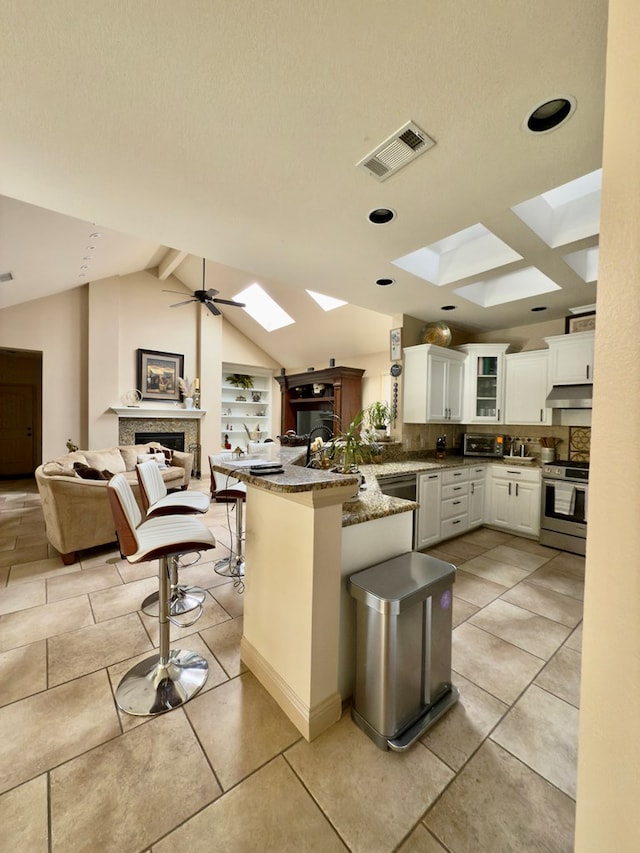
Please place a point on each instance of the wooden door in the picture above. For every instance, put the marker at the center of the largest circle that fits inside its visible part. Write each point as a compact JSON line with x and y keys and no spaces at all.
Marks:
{"x":16,"y":430}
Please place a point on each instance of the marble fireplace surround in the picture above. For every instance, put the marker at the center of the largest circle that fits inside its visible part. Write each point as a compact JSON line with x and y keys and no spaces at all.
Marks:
{"x":132,"y":420}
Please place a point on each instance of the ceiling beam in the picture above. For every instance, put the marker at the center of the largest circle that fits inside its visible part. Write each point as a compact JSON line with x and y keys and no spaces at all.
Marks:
{"x":170,"y":262}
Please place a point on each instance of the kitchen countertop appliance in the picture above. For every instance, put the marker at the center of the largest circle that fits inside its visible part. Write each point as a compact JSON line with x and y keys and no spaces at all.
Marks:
{"x":564,"y":503}
{"x":481,"y":444}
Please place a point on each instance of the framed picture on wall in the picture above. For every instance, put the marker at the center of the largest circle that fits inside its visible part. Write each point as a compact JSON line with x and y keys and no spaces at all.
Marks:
{"x":395,"y":344}
{"x":158,"y":374}
{"x":580,"y":322}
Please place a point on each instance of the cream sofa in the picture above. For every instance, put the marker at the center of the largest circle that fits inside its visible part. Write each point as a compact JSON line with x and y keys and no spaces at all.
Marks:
{"x":77,"y":512}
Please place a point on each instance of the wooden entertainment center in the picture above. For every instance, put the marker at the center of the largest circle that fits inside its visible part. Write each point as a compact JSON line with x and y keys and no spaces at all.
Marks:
{"x":336,"y":389}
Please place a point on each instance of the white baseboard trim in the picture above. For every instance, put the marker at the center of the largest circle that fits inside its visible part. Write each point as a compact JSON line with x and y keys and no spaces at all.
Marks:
{"x":310,"y":722}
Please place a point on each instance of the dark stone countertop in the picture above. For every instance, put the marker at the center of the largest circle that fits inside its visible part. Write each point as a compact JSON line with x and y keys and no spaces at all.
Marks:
{"x":369,"y":504}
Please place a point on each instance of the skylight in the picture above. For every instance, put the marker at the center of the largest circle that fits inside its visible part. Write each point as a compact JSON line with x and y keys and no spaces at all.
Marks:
{"x":263,"y":309}
{"x":584,"y":262}
{"x":509,"y":287}
{"x":468,"y":252}
{"x":327,"y":303}
{"x":566,"y":213}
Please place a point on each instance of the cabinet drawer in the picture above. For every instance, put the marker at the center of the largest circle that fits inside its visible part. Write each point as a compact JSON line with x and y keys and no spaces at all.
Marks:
{"x":455,"y":475}
{"x":477,"y":473}
{"x":454,"y":526}
{"x":455,"y":490}
{"x":516,"y":474}
{"x":455,"y":507}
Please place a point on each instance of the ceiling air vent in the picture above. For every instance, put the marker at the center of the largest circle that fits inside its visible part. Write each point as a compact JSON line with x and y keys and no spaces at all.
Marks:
{"x":5,"y":276}
{"x":396,"y":151}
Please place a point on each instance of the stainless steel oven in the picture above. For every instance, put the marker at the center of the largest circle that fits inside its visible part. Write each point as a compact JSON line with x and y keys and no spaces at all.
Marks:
{"x":563,"y":516}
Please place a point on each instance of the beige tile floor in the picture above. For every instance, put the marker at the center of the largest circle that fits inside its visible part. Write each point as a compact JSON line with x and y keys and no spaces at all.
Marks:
{"x":228,"y":771}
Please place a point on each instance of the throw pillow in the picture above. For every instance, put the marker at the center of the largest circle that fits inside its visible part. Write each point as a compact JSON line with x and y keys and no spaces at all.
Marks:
{"x":53,"y":469}
{"x":111,"y":458}
{"x":88,"y":473}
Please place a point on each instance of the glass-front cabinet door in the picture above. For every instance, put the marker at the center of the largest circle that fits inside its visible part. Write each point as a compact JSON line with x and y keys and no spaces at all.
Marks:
{"x":484,"y":382}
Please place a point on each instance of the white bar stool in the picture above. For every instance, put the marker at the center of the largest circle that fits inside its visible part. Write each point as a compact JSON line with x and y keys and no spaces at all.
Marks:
{"x":171,"y":677}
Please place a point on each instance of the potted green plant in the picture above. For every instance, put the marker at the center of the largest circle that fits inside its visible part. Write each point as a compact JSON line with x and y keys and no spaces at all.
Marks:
{"x":240,"y":380}
{"x":379,"y":417}
{"x":353,"y":446}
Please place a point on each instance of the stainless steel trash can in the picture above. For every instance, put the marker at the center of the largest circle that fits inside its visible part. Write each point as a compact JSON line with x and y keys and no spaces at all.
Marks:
{"x":403,"y":647}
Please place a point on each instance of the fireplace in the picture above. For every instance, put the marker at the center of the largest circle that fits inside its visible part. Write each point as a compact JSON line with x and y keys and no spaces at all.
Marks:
{"x":172,"y":440}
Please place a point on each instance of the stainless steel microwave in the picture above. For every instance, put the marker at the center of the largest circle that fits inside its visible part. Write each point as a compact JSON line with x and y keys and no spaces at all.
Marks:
{"x":477,"y":444}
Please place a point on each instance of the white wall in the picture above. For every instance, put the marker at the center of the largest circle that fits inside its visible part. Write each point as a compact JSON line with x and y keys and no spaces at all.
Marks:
{"x":55,"y":326}
{"x":89,"y":337}
{"x":609,"y":749}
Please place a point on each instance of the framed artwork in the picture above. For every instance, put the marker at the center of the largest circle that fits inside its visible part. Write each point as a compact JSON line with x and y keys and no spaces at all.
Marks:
{"x":580,"y":322}
{"x":395,"y":344}
{"x":158,"y":374}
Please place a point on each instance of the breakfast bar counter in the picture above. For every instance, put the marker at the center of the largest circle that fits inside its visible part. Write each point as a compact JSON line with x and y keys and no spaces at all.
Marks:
{"x":297,"y":631}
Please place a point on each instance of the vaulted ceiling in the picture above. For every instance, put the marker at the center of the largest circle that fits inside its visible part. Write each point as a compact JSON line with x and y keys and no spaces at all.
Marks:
{"x":231,"y":131}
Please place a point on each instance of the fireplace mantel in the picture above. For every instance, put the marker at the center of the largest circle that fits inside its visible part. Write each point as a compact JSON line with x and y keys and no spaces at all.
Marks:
{"x":168,"y":412}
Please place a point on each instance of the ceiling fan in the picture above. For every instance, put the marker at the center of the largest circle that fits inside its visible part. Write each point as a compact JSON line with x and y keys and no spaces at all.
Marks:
{"x":206,"y":297}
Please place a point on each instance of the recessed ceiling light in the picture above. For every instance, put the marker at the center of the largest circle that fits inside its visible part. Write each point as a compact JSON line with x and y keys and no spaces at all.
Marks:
{"x":540,"y":308}
{"x":385,"y":282}
{"x":448,"y":308}
{"x":382,"y":215}
{"x":549,"y":114}
{"x":95,"y":235}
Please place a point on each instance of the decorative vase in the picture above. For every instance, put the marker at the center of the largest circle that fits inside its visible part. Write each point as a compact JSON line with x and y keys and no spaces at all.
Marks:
{"x":188,"y":402}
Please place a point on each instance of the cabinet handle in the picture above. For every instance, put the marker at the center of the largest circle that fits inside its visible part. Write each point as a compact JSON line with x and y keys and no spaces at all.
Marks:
{"x":455,"y":503}
{"x":433,"y":477}
{"x":457,"y":521}
{"x":540,"y":415}
{"x":473,"y":488}
{"x":516,"y":489}
{"x":498,"y":414}
{"x":458,"y":474}
{"x":587,"y":371}
{"x":509,"y":488}
{"x":513,"y":472}
{"x":457,"y":488}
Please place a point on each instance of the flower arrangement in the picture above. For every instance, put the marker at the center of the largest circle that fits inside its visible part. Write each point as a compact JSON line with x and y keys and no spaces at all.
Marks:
{"x":188,"y":388}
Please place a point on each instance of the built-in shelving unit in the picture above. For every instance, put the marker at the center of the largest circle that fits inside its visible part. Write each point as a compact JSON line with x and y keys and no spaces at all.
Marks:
{"x":240,"y":407}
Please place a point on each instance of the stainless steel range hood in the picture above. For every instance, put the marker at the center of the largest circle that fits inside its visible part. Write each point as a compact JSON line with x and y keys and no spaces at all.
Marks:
{"x":570,"y":397}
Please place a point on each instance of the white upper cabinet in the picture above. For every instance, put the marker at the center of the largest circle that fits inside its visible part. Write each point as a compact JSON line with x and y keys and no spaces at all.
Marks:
{"x":484,"y":383}
{"x":571,"y":358}
{"x":433,"y":384}
{"x":526,"y":388}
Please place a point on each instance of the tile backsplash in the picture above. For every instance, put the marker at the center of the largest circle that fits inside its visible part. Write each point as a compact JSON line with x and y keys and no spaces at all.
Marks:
{"x":571,"y":442}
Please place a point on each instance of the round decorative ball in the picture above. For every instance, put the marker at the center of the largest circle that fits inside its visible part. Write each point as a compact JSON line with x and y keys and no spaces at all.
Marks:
{"x":437,"y":333}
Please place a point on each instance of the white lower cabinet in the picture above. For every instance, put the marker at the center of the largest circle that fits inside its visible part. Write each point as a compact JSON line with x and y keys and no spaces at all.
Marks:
{"x":454,"y":512}
{"x":477,"y":490}
{"x":514,"y":499}
{"x":428,"y":515}
{"x":451,"y":501}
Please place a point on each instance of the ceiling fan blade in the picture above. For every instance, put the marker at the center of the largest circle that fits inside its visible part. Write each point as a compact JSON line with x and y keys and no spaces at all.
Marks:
{"x":186,"y":302}
{"x":230,"y":302}
{"x":213,"y":308}
{"x":211,"y":293}
{"x":179,"y":292}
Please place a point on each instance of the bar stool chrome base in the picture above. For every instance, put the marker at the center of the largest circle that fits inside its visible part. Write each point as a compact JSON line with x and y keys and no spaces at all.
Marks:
{"x":152,"y":687}
{"x":230,"y":567}
{"x":233,"y":566}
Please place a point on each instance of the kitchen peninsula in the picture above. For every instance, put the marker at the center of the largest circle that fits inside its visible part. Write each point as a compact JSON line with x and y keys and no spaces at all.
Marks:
{"x":301,"y":541}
